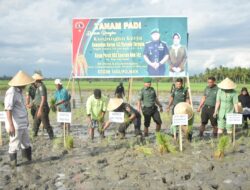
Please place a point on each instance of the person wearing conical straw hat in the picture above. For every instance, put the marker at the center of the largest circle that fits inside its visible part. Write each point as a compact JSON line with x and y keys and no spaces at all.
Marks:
{"x":131,"y":115}
{"x":185,"y":108}
{"x":244,"y":100}
{"x":42,"y":107}
{"x":17,"y":117}
{"x":226,"y":102}
{"x":146,"y":104}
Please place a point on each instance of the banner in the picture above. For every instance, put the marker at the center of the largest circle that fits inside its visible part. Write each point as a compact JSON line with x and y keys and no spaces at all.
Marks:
{"x":129,"y":47}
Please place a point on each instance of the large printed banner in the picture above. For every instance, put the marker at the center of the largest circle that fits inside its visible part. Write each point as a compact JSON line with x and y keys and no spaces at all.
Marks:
{"x":130,"y":47}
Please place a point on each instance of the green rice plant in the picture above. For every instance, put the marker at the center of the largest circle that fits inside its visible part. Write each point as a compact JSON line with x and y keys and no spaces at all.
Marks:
{"x":164,"y":143}
{"x":222,"y":146}
{"x":53,"y":105}
{"x":58,"y":143}
{"x":147,"y":151}
{"x":69,"y":142}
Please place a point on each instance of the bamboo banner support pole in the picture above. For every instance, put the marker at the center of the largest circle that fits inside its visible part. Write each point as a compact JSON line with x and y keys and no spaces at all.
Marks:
{"x":234,"y":136}
{"x":157,"y":87}
{"x":1,"y":140}
{"x":79,"y":88}
{"x":130,"y":89}
{"x":73,"y":93}
{"x":64,"y":134}
{"x":180,"y":137}
{"x":189,"y":91}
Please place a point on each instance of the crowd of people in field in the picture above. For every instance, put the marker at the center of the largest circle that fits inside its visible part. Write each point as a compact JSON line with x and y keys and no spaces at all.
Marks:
{"x":217,"y":101}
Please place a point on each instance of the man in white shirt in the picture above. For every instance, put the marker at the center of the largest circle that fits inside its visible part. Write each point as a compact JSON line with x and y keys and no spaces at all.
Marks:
{"x":17,"y":117}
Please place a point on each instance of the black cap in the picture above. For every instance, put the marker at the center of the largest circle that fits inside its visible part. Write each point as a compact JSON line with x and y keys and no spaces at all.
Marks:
{"x":97,"y":93}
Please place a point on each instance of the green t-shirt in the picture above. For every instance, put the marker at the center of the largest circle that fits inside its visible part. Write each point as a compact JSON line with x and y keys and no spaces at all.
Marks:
{"x":210,"y":94}
{"x":40,"y":91}
{"x":147,"y":96}
{"x":180,"y":95}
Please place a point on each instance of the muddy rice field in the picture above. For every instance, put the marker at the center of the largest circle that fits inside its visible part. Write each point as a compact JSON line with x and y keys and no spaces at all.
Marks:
{"x":113,"y":163}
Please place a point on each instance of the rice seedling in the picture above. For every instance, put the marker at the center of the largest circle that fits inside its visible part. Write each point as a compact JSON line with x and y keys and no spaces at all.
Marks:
{"x":58,"y":143}
{"x":53,"y":105}
{"x":164,"y":143}
{"x":69,"y":142}
{"x":222,"y":146}
{"x":147,"y":151}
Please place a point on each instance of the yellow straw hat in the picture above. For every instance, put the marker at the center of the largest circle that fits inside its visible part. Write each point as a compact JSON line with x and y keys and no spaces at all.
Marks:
{"x":184,"y":108}
{"x":114,"y":103}
{"x":21,"y":79}
{"x":37,"y":76}
{"x":227,"y":84}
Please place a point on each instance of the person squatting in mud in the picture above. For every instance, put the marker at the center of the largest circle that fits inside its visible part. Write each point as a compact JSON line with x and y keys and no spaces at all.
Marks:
{"x":131,"y":115}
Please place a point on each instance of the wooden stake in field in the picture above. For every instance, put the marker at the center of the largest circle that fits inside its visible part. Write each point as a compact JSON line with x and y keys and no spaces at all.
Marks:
{"x":79,"y":88}
{"x":130,"y":89}
{"x":234,"y":135}
{"x":180,"y":138}
{"x":64,"y":134}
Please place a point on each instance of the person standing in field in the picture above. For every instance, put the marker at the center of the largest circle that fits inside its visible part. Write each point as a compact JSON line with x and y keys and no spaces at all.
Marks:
{"x":179,"y":94}
{"x":119,"y":91}
{"x":146,"y":104}
{"x":244,"y":99}
{"x":226,"y":102}
{"x":17,"y":117}
{"x":96,"y":107}
{"x":42,"y":107}
{"x":207,"y":105}
{"x":62,"y":99}
{"x":30,"y":96}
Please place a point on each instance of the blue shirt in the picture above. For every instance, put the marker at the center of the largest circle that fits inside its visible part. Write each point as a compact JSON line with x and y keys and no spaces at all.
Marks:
{"x":63,"y":95}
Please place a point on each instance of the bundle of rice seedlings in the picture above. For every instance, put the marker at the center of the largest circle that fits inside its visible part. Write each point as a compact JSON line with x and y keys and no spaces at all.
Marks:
{"x":53,"y":105}
{"x":222,"y":146}
{"x":164,"y":143}
{"x":147,"y":151}
{"x":69,"y":142}
{"x":58,"y":143}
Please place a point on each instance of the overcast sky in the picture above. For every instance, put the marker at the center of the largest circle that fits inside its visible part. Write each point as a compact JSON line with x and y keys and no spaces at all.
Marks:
{"x":37,"y":34}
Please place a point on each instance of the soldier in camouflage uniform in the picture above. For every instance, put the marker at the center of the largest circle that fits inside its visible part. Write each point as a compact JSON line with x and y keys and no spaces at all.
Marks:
{"x":42,"y":107}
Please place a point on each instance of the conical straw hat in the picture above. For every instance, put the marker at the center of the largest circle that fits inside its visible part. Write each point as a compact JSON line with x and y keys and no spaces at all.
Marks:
{"x":240,"y":109}
{"x":227,"y":84}
{"x":184,"y":108}
{"x":114,"y":103}
{"x":37,"y":76}
{"x":21,"y":79}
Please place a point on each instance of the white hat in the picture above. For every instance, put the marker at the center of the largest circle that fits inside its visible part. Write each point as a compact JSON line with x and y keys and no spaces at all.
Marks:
{"x":58,"y":81}
{"x":37,"y":76}
{"x":21,"y":79}
{"x":114,"y":103}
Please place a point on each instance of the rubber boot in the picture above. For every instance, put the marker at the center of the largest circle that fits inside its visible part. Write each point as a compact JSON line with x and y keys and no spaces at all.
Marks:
{"x":158,"y":128}
{"x":13,"y":160}
{"x":145,"y":132}
{"x":27,"y":154}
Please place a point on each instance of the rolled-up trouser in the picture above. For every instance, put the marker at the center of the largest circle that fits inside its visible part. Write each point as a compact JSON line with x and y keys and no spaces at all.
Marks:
{"x":45,"y":121}
{"x":21,"y":139}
